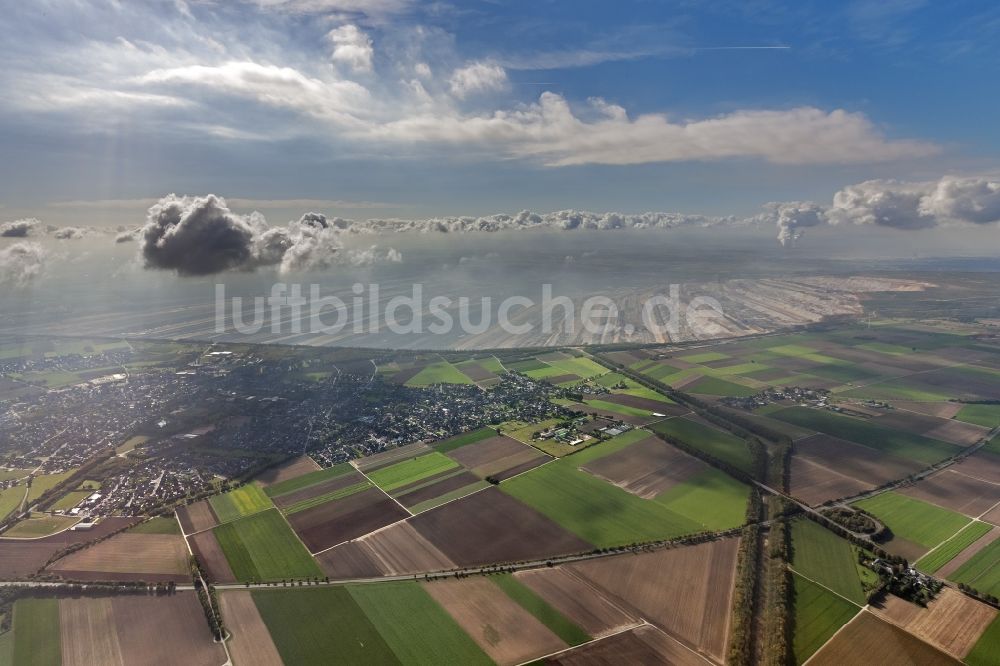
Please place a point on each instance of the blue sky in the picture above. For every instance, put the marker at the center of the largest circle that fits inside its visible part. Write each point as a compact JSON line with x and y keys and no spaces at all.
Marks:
{"x":409,"y":109}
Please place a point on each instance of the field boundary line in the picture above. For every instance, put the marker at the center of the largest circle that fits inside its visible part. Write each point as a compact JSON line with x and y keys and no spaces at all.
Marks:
{"x":234,"y":520}
{"x":799,"y":573}
{"x":993,"y":483}
{"x":368,"y":478}
{"x":980,"y":516}
{"x":960,"y":530}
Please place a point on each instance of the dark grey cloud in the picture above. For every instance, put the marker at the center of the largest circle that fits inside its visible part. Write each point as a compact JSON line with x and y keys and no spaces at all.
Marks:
{"x":18,"y":228}
{"x":21,"y":263}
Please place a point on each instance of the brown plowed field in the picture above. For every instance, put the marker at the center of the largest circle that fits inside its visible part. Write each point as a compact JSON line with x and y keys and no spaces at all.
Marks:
{"x":624,"y":357}
{"x":956,"y":491}
{"x":646,"y":468}
{"x":868,"y":640}
{"x":980,"y":465}
{"x":20,"y":557}
{"x":519,"y":469}
{"x":87,"y":633}
{"x":349,"y":560}
{"x":685,"y":591}
{"x":209,"y":553}
{"x":645,"y":403}
{"x":400,"y":549}
{"x":289,"y":470}
{"x":437,"y":489}
{"x":490,"y":526}
{"x":428,"y":480}
{"x":503,"y":629}
{"x":489,"y":451}
{"x":645,"y":646}
{"x":134,"y":554}
{"x":166,"y":631}
{"x":386,"y":458}
{"x":476,"y":372}
{"x":577,"y":600}
{"x":946,"y":430}
{"x":197,"y":517}
{"x":992,"y":516}
{"x":405,"y":375}
{"x":814,"y":484}
{"x":854,"y":460}
{"x":967,"y":554}
{"x":251,"y":642}
{"x":951,"y":622}
{"x":955,"y":383}
{"x":562,"y":379}
{"x":337,"y":483}
{"x":328,"y":524}
{"x":944,"y":410}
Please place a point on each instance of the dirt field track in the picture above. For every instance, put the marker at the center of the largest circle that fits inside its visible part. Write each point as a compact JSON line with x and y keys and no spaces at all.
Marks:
{"x":400,"y":549}
{"x":502,"y":628}
{"x":329,"y":524}
{"x":211,"y":557}
{"x":814,"y":484}
{"x":980,"y":465}
{"x":495,"y":455}
{"x":853,"y":460}
{"x":947,"y":430}
{"x":952,"y":622}
{"x":969,"y":553}
{"x":197,"y":517}
{"x":251,"y":642}
{"x":685,"y":591}
{"x":19,"y":557}
{"x":869,"y":640}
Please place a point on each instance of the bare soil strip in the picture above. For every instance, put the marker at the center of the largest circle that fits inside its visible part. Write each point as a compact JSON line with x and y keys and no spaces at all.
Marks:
{"x":251,"y":642}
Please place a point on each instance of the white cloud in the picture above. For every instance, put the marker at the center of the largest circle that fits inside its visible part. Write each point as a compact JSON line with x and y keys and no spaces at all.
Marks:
{"x":21,"y":263}
{"x":477,"y":77}
{"x":367,"y":7}
{"x":352,"y":47}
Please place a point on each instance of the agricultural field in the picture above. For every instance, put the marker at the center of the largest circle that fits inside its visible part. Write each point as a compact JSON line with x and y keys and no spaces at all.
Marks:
{"x":903,"y":445}
{"x":982,"y":571}
{"x":409,"y":471}
{"x":244,"y":501}
{"x":577,"y":601}
{"x":823,"y":557}
{"x":955,"y":491}
{"x":196,"y":517}
{"x":249,"y":641}
{"x":818,"y":615}
{"x":349,"y":517}
{"x":916,"y":525}
{"x":715,"y":442}
{"x":986,"y":649}
{"x":948,"y":550}
{"x":35,"y":622}
{"x":10,"y":500}
{"x":290,"y":469}
{"x":951,"y":622}
{"x":40,"y":525}
{"x":262,"y":547}
{"x":21,"y":557}
{"x":498,"y":457}
{"x":573,"y":368}
{"x":869,"y":640}
{"x":642,"y":645}
{"x":438,"y":373}
{"x":391,"y":623}
{"x":559,"y":624}
{"x":606,"y":515}
{"x":684,"y":591}
{"x":128,"y":556}
{"x":70,"y":500}
{"x":43,"y":482}
{"x":466,"y":438}
{"x":987,"y":416}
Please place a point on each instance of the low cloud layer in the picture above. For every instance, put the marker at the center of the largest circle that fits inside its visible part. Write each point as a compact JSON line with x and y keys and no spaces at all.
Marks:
{"x":18,"y":228}
{"x":69,"y":233}
{"x":950,"y":201}
{"x":196,"y":236}
{"x":21,"y":263}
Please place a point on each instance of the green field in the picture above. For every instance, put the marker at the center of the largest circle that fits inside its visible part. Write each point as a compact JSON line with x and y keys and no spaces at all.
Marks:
{"x":263,"y":547}
{"x":328,"y":497}
{"x":818,"y":615}
{"x":982,"y":572}
{"x":560,"y":625}
{"x":581,"y":366}
{"x":438,"y":373}
{"x":624,"y":410}
{"x":913,"y":519}
{"x":10,"y":500}
{"x":717,"y":443}
{"x":985,"y":652}
{"x":6,"y":648}
{"x":390,"y":623}
{"x":950,"y":549}
{"x":716,"y":386}
{"x":44,"y":482}
{"x":614,"y":379}
{"x":821,"y":555}
{"x":306,"y":480}
{"x":39,"y":525}
{"x":71,"y":499}
{"x":414,"y":626}
{"x":406,"y":472}
{"x":458,"y":441}
{"x":605,"y":515}
{"x":897,"y":389}
{"x":244,"y":501}
{"x":898,"y":443}
{"x":649,"y":394}
{"x":526,"y":365}
{"x":36,"y":632}
{"x":158,"y":525}
{"x":9,"y":474}
{"x":987,"y":416}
